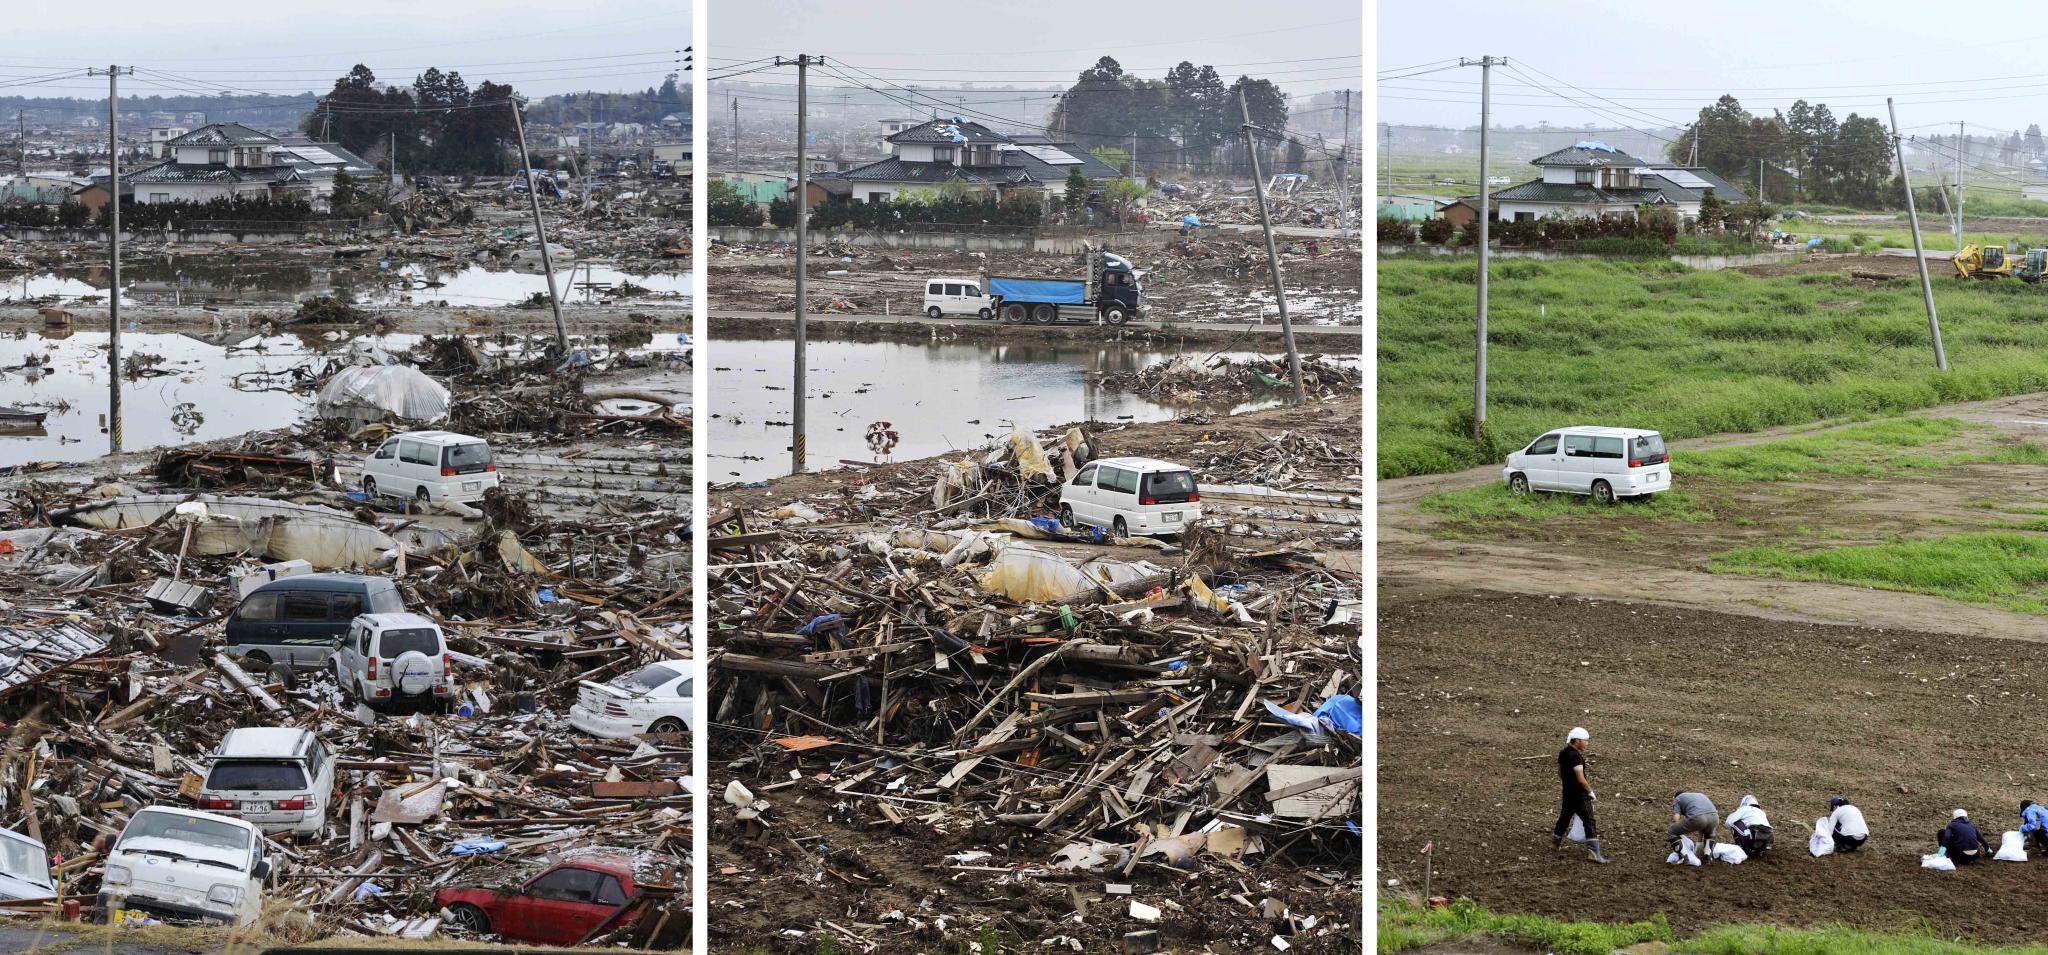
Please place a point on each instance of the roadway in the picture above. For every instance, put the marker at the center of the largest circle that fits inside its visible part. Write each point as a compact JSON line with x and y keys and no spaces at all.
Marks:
{"x":1273,"y":328}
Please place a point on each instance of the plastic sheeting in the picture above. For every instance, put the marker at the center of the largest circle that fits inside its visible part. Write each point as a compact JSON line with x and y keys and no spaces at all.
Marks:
{"x":370,"y":393}
{"x":1822,"y":842}
{"x":2012,"y":847}
{"x":1031,"y":460}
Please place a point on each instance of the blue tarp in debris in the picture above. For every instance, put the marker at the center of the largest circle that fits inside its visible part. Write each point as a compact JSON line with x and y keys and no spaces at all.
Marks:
{"x":1051,"y":291}
{"x":1343,"y":713}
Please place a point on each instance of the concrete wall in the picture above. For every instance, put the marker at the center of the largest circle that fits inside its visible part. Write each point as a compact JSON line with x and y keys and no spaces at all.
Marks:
{"x":953,"y":241}
{"x":1705,"y":263}
{"x":174,"y":238}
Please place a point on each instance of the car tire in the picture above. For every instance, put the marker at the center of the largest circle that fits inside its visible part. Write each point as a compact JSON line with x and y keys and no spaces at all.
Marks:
{"x":985,"y":315}
{"x":259,"y":659}
{"x":1518,"y":485}
{"x":420,"y":497}
{"x":470,"y":918}
{"x":1121,"y":529}
{"x":1067,"y":515}
{"x":933,"y":313}
{"x":1115,"y":315}
{"x":370,"y":488}
{"x":1044,"y":314}
{"x":1603,"y":492}
{"x":666,"y":725}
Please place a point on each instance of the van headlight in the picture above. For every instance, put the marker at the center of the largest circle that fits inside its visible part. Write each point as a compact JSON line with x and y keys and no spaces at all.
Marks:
{"x":224,"y":894}
{"x":115,"y":875}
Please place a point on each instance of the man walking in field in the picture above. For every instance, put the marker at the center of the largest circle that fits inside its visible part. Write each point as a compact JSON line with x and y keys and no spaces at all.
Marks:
{"x":1576,"y":798}
{"x":1693,"y":812}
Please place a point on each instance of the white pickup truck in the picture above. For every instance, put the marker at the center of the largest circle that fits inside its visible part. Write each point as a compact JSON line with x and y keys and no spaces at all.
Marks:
{"x":177,"y":865}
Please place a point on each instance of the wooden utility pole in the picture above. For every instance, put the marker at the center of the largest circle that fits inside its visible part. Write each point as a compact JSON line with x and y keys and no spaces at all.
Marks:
{"x":1251,"y":151}
{"x":1919,"y":254}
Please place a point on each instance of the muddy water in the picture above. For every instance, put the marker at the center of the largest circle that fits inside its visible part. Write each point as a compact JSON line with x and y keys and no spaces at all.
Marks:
{"x":371,"y":283}
{"x":938,"y":398}
{"x":209,"y":391}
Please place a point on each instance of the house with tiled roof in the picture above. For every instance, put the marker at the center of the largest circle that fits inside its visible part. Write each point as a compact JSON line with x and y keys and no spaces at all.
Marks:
{"x":1593,"y":179}
{"x":222,"y":160}
{"x":939,"y":151}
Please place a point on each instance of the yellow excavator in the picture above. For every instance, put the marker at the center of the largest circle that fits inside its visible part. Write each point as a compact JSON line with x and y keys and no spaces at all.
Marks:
{"x":1992,"y":261}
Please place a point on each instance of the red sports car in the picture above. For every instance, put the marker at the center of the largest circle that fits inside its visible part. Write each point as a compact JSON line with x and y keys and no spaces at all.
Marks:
{"x":557,"y":907}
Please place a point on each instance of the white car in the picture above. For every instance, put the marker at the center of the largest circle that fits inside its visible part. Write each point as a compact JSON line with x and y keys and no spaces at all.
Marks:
{"x":280,"y":778}
{"x":1132,"y":496}
{"x":177,"y":865}
{"x":1607,"y":463}
{"x":431,"y":466}
{"x":657,"y":698}
{"x":946,"y":296}
{"x":391,"y":658}
{"x":24,"y":868}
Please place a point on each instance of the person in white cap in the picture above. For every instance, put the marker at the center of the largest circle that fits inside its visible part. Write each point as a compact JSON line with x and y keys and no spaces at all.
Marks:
{"x":1750,"y":827}
{"x":1576,"y":797}
{"x":1961,"y":841}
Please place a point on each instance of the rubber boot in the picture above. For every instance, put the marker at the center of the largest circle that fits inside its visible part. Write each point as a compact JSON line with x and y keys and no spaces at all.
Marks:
{"x":1556,"y":843}
{"x":1593,"y":849}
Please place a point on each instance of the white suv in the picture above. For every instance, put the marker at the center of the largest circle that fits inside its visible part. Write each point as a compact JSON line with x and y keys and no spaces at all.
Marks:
{"x":431,"y":466}
{"x":1132,"y":496}
{"x":1608,"y":463}
{"x":391,"y":658}
{"x":280,"y":778}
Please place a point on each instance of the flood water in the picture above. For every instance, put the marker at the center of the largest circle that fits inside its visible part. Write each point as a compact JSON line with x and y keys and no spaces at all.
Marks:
{"x":210,"y":391}
{"x":370,"y":282}
{"x":937,"y":397}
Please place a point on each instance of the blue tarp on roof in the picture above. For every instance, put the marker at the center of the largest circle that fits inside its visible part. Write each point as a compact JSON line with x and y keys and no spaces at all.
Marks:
{"x":1594,"y":144}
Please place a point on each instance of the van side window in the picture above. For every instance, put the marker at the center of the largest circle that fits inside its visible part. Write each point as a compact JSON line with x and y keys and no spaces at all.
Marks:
{"x":952,"y":289}
{"x":1544,"y":445}
{"x":935,"y":289}
{"x":386,"y":600}
{"x":301,"y":607}
{"x":1578,"y":445}
{"x":1087,"y":476}
{"x":1607,"y":448}
{"x":262,"y":606}
{"x":347,"y":606}
{"x":973,"y":291}
{"x":413,"y":452}
{"x":389,"y":450}
{"x":1120,"y":480}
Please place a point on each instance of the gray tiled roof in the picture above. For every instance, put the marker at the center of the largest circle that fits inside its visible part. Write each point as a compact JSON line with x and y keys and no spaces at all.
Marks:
{"x":928,"y":132}
{"x":1536,"y":190}
{"x":897,"y":170}
{"x":1581,"y":156}
{"x":175,"y":172}
{"x":229,"y":134}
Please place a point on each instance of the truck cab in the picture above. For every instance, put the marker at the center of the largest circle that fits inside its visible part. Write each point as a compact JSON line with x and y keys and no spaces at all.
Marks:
{"x":1120,"y":290}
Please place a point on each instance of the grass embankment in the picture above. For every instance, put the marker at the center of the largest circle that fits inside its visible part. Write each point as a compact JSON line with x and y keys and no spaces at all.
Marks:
{"x":1655,"y":345}
{"x":1405,"y":927}
{"x":2005,"y":570}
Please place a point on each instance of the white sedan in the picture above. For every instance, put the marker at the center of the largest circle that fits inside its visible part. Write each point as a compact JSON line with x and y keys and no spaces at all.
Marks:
{"x":657,"y":698}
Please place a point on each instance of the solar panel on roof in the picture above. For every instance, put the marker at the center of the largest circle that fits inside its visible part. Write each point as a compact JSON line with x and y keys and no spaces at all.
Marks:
{"x":1681,"y":177}
{"x":314,"y":154}
{"x":1049,"y":155}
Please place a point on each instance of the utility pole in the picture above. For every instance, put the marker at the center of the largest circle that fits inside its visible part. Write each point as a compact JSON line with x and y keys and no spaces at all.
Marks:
{"x":1693,"y":157}
{"x":1344,"y":170}
{"x":1486,"y":64}
{"x":589,"y":130}
{"x":803,"y":64}
{"x":1759,"y":180}
{"x":735,"y":137}
{"x":113,"y":253}
{"x":1961,"y":136}
{"x":1387,"y":160}
{"x":1919,"y":254}
{"x":540,"y":229}
{"x":1251,"y":151}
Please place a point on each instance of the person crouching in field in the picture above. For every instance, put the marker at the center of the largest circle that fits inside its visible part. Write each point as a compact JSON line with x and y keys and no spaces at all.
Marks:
{"x":1576,"y":797}
{"x":2034,"y":823}
{"x":1749,"y":828}
{"x":1961,"y":841}
{"x":1847,"y":822}
{"x":1692,"y":812}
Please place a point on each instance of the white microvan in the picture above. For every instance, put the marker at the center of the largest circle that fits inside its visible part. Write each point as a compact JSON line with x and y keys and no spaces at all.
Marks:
{"x":1132,"y":496}
{"x":944,"y":296}
{"x":176,"y":865}
{"x":431,"y":466}
{"x":1608,"y":463}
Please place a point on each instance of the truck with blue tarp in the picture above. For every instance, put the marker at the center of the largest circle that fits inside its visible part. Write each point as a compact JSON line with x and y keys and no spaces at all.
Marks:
{"x":1113,"y":293}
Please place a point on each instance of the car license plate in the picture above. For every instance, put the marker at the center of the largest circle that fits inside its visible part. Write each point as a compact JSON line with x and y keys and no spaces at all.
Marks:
{"x":255,"y":807}
{"x":472,"y":485}
{"x":1173,"y":517}
{"x":130,"y":915}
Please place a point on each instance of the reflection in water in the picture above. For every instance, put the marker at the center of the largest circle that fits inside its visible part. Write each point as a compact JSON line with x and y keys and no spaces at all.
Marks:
{"x":935,"y":397}
{"x":189,"y":280}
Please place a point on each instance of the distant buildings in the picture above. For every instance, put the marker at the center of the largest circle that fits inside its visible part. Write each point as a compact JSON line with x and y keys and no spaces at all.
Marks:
{"x":932,"y":153}
{"x":224,"y":160}
{"x":1593,"y":179}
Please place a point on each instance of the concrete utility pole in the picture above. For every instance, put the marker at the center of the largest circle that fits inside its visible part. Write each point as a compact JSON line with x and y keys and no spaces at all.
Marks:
{"x":1251,"y":151}
{"x":1919,"y":254}
{"x":1960,"y":137}
{"x":1486,"y":65}
{"x":803,"y":64}
{"x":540,"y":229}
{"x":1759,"y":180}
{"x":113,"y":253}
{"x":735,"y":137}
{"x":1693,"y":157}
{"x":391,"y":181}
{"x":1344,"y":170}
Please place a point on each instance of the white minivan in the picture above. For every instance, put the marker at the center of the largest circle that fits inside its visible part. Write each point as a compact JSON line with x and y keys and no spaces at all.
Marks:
{"x":1132,"y":496}
{"x":944,"y":296}
{"x":431,"y":466}
{"x":1608,"y":463}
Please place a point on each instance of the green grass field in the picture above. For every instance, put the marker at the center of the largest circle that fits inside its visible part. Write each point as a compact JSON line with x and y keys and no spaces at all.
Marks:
{"x":2007,"y":571}
{"x":1652,"y":344}
{"x":1406,"y":927}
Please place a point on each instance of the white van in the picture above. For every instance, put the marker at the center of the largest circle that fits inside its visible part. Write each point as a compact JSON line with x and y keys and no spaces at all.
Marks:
{"x":944,"y":296}
{"x":280,"y":778}
{"x":177,"y":865}
{"x":1132,"y":496}
{"x":1607,"y":463}
{"x":391,"y":658}
{"x":431,"y":466}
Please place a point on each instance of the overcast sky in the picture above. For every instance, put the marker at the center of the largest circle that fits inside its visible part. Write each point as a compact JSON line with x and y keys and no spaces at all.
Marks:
{"x":1663,"y":61}
{"x":540,"y":48}
{"x":932,"y":42}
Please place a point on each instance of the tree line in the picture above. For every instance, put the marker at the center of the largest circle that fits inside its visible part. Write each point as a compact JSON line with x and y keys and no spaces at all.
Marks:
{"x":1190,"y":105}
{"x":1804,"y":154}
{"x":438,"y":125}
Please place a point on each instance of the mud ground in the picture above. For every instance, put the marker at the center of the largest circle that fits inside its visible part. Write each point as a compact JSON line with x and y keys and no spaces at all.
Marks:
{"x":1477,"y":690}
